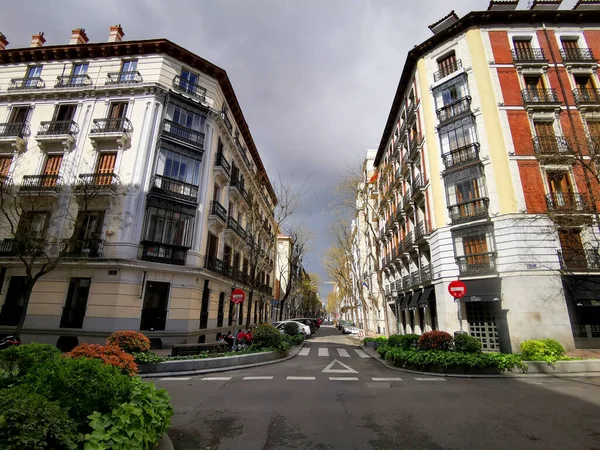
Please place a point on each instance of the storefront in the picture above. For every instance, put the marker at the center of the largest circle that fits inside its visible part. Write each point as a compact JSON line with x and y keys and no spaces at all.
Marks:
{"x":582,"y":294}
{"x":482,"y":305}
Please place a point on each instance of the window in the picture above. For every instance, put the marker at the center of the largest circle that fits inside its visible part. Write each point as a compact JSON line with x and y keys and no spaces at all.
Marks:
{"x":474,"y":250}
{"x":19,"y":114}
{"x":523,"y":48}
{"x":87,"y":237}
{"x":227,"y":255}
{"x":76,"y":304}
{"x":569,"y":43}
{"x":447,"y":64}
{"x":458,"y":134}
{"x":573,"y":253}
{"x":164,"y":225}
{"x":465,"y":186}
{"x":593,"y":128}
{"x":534,"y":84}
{"x":188,"y":81}
{"x":178,"y":167}
{"x":13,"y":303}
{"x":79,"y":69}
{"x":185,"y":118}
{"x":32,"y":75}
{"x":560,"y":189}
{"x":64,"y":113}
{"x":128,"y":71}
{"x":105,"y":168}
{"x":78,"y":74}
{"x":32,"y":225}
{"x":117,"y":110}
{"x":52,"y":170}
{"x":5,"y":162}
{"x":221,"y":310}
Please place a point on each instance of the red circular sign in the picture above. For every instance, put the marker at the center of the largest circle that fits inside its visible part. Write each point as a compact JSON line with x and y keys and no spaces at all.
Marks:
{"x":237,"y":296}
{"x":457,"y":289}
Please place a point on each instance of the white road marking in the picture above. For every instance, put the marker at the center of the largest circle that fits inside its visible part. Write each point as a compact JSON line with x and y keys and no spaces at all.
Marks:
{"x":330,"y":369}
{"x":304,"y":352}
{"x":343,"y":353}
{"x":430,"y":379}
{"x":216,"y":379}
{"x":324,"y":351}
{"x":386,"y":379}
{"x":301,"y":378}
{"x":257,"y":378}
{"x":176,"y":379}
{"x":361,"y":353}
{"x":343,"y":378}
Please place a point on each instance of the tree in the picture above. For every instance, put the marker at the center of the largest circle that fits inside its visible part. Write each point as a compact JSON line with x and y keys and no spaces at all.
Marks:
{"x":45,"y":222}
{"x":334,"y":303}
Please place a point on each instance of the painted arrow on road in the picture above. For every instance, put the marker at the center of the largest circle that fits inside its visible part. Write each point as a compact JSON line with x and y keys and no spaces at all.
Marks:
{"x":330,"y":369}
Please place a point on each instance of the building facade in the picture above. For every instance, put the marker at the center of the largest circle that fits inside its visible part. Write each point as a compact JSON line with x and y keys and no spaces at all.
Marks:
{"x":145,"y":146}
{"x":486,"y":172}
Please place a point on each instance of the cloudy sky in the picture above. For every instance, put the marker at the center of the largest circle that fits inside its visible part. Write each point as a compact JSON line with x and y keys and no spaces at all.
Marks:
{"x":315,"y":78}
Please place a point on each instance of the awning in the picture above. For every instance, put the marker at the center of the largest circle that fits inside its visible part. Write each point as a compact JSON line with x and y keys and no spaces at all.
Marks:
{"x":414,"y":300}
{"x":583,"y":291}
{"x":484,"y":290}
{"x":425,"y":297}
{"x":404,"y":301}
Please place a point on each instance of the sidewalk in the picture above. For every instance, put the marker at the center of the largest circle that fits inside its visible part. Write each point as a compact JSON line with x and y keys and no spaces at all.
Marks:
{"x":588,"y":353}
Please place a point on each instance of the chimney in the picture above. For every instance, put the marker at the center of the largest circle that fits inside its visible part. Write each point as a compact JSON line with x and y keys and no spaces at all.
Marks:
{"x":3,"y":42}
{"x":503,"y":5}
{"x":37,"y":40}
{"x":587,"y":5}
{"x":116,"y":33}
{"x":443,"y":23}
{"x":78,"y":37}
{"x":545,"y":4}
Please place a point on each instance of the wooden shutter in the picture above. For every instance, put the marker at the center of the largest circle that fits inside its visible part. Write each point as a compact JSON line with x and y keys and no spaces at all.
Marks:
{"x":106,"y":165}
{"x":476,"y":249}
{"x":522,"y":46}
{"x":447,"y":64}
{"x":117,"y":110}
{"x":5,"y":165}
{"x":569,"y":44}
{"x":544,"y":128}
{"x":52,"y":167}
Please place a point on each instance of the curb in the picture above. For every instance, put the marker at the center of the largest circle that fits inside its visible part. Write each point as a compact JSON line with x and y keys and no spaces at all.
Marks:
{"x":373,"y":354}
{"x":293,"y":352}
{"x":165,"y":443}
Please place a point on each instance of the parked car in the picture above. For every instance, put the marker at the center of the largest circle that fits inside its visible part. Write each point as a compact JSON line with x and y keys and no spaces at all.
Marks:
{"x":316,"y":323}
{"x":350,"y":328}
{"x":304,"y":329}
{"x":307,"y":322}
{"x":341,"y":324}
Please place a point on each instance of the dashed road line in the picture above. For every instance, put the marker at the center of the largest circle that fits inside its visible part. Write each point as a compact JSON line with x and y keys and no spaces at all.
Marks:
{"x":304,"y":352}
{"x":430,"y":379}
{"x":176,"y":379}
{"x":301,"y":378}
{"x":216,"y":378}
{"x":343,"y":353}
{"x":343,"y":379}
{"x":386,"y":379}
{"x":258,"y":378}
{"x":323,"y":351}
{"x":361,"y":353}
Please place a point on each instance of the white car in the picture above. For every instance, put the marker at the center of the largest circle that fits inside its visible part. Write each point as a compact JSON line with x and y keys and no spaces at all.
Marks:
{"x":303,"y":328}
{"x":350,"y":328}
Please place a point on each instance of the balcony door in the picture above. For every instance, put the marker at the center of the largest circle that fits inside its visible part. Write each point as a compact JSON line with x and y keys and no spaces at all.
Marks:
{"x":76,"y":304}
{"x":18,"y":117}
{"x":212,"y":245}
{"x":523,"y":48}
{"x":33,"y":73}
{"x":154,"y":309}
{"x":105,"y":168}
{"x":189,"y":81}
{"x":61,"y":119}
{"x":447,"y":64}
{"x":87,"y":237}
{"x":561,"y":190}
{"x":535,"y":87}
{"x":5,"y":162}
{"x":570,"y":46}
{"x":128,"y":69}
{"x":572,"y":249}
{"x":14,"y":301}
{"x":52,"y":170}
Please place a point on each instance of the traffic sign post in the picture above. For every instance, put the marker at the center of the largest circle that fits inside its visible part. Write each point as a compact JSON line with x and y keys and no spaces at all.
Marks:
{"x":237,"y":297}
{"x":458,"y":289}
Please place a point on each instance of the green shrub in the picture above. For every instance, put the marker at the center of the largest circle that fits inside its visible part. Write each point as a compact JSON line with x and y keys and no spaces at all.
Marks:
{"x":18,"y":360}
{"x":436,"y":340}
{"x":136,"y":424}
{"x":267,"y":336}
{"x":464,"y":343}
{"x":383,"y":350}
{"x":146,"y":357}
{"x":403,"y":341}
{"x":80,"y":386}
{"x":380,"y":340}
{"x":548,"y":350}
{"x":297,"y":339}
{"x":555,"y":348}
{"x":129,"y":341}
{"x":291,"y":328}
{"x":29,"y":421}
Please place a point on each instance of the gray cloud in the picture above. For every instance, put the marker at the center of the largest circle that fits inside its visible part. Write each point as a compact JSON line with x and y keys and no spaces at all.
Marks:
{"x":315,"y":78}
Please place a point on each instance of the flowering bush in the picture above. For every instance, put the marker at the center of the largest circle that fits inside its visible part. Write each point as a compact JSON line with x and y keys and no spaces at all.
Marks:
{"x":109,"y":354}
{"x":130,"y":341}
{"x":436,"y":340}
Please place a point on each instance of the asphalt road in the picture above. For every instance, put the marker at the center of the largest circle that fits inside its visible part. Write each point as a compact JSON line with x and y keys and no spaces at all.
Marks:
{"x":312,"y":402}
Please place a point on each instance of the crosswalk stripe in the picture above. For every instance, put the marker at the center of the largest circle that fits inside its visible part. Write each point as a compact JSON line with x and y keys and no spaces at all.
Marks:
{"x":301,"y":378}
{"x":343,"y":378}
{"x":361,"y":353}
{"x":430,"y":379}
{"x":305,"y":351}
{"x":343,"y":353}
{"x":216,"y":379}
{"x":257,"y":378}
{"x":386,"y":379}
{"x":323,"y":351}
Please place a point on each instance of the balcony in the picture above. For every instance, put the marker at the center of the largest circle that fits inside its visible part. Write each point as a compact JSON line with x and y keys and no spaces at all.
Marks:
{"x":237,"y":188}
{"x":461,"y":156}
{"x":93,"y":184}
{"x":408,"y":241}
{"x":469,"y":210}
{"x":399,"y":252}
{"x":406,"y":281}
{"x":587,"y":98}
{"x":182,"y":135}
{"x":415,"y":143}
{"x":578,"y":56}
{"x":577,"y":260}
{"x":73,"y":81}
{"x":234,"y":226}
{"x":86,"y":248}
{"x":552,"y":149}
{"x":529,"y":57}
{"x":446,"y":70}
{"x":394,"y":254}
{"x":217,"y":265}
{"x":14,"y":134}
{"x":406,"y":200}
{"x":170,"y":189}
{"x":226,"y":121}
{"x":22,"y":247}
{"x":26,"y":84}
{"x":61,"y":132}
{"x":188,"y":88}
{"x":421,"y":231}
{"x":123,"y":78}
{"x":540,"y":98}
{"x":164,"y":253}
{"x":454,"y":110}
{"x":567,"y":203}
{"x":415,"y":279}
{"x":477,"y":264}
{"x":222,"y":167}
{"x":40,"y":184}
{"x":418,"y":184}
{"x":113,"y":131}
{"x":217,"y":212}
{"x":410,"y":110}
{"x":426,"y":274}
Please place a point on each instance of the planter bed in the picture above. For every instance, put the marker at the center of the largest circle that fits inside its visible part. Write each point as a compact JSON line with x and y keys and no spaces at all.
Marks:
{"x":579,"y":366}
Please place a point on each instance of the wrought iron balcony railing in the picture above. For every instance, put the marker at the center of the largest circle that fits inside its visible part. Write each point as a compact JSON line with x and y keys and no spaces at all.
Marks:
{"x":111,"y":125}
{"x":539,"y":96}
{"x":58,"y":128}
{"x":182,"y":133}
{"x":566,"y":202}
{"x":97,"y":180}
{"x":14,"y":130}
{"x":454,"y":109}
{"x":418,"y":183}
{"x":221,"y":161}
{"x":421,"y":231}
{"x":26,"y":83}
{"x":586,"y":96}
{"x":127,"y":77}
{"x":73,"y":81}
{"x":462,"y":155}
{"x":550,"y":145}
{"x":164,"y":253}
{"x":529,"y":55}
{"x":415,"y":279}
{"x":477,"y":263}
{"x":415,"y":142}
{"x":579,"y":259}
{"x":40,"y":182}
{"x":22,"y":246}
{"x":408,"y":240}
{"x":426,"y":274}
{"x":406,"y":281}
{"x":194,"y":90}
{"x":218,"y":210}
{"x":406,"y":199}
{"x":577,"y":55}
{"x":174,"y":188}
{"x":86,"y":248}
{"x":234,"y":225}
{"x":469,"y":210}
{"x":227,"y":122}
{"x":447,"y":70}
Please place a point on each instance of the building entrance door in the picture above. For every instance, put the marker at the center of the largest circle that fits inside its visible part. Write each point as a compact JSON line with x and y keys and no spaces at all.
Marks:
{"x":482,"y":324}
{"x":154,"y":310}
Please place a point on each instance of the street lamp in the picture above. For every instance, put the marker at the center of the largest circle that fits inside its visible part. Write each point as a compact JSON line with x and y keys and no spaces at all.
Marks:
{"x":396,"y":312}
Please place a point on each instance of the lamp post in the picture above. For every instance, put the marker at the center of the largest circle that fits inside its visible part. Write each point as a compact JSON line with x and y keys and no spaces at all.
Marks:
{"x":396,"y":313}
